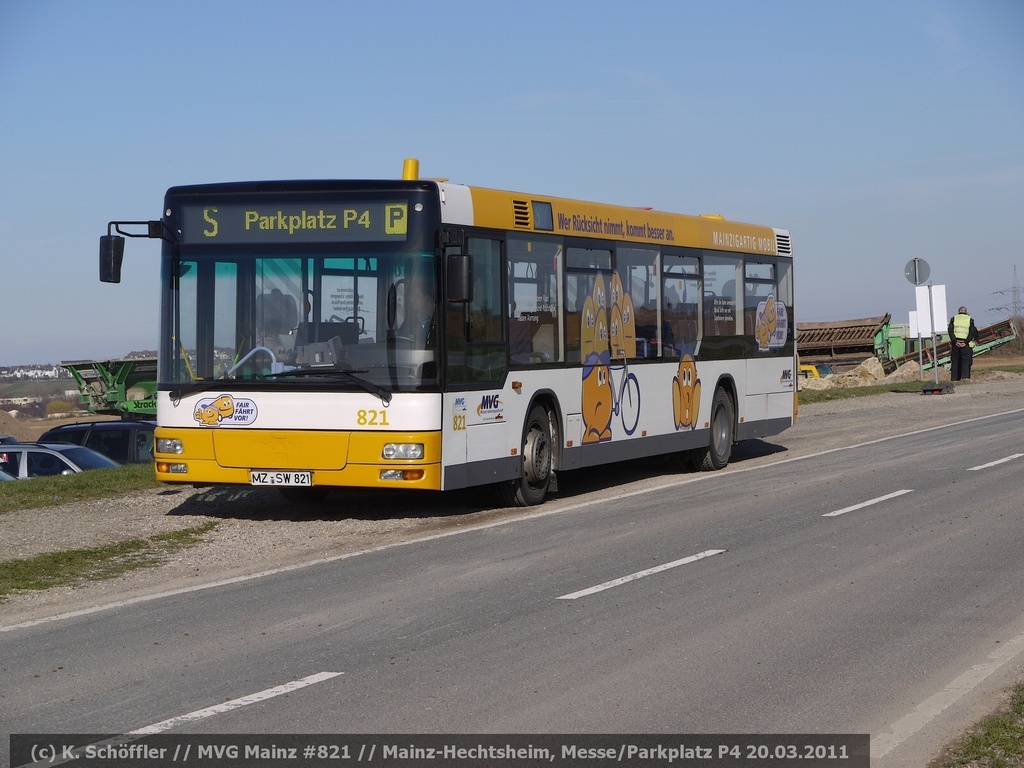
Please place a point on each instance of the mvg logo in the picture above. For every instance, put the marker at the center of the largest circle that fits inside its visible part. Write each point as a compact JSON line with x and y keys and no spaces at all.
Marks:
{"x":490,"y":401}
{"x":489,"y":404}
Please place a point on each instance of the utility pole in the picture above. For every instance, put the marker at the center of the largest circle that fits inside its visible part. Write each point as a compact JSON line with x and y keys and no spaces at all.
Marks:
{"x":1015,"y":304}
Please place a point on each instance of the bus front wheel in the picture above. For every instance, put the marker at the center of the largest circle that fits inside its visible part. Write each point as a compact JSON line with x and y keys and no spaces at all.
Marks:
{"x":531,"y":488}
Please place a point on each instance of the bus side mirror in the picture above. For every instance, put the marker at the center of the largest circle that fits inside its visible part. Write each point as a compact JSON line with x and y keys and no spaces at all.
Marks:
{"x":111,"y":255}
{"x":459,"y":271}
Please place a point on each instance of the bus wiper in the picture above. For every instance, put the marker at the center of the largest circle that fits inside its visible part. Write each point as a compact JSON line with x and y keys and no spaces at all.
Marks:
{"x":330,"y":373}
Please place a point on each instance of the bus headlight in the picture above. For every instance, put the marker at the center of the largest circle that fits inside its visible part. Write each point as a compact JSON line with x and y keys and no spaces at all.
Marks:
{"x":403,"y":451}
{"x":169,"y":445}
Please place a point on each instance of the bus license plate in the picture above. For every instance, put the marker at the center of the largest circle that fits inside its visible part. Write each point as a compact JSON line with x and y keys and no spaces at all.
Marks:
{"x":258,"y":477}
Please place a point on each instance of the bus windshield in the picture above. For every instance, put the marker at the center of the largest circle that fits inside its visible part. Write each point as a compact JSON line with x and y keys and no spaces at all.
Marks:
{"x":300,"y":320}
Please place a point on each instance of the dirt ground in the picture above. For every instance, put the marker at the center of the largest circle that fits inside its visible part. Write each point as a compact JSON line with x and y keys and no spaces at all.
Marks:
{"x":30,"y":429}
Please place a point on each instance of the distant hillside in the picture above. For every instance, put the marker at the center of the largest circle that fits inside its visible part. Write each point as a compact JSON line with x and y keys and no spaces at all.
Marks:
{"x":37,"y":387}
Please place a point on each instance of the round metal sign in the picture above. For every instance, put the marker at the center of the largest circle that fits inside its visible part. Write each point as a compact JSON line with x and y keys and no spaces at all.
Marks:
{"x":917,"y":271}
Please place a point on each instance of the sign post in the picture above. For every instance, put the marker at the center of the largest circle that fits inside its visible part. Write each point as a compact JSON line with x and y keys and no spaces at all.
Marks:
{"x":917,"y":272}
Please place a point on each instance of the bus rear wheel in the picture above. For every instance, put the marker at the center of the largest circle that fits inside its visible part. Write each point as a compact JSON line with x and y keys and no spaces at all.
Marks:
{"x":719,"y":450}
{"x":531,"y":488}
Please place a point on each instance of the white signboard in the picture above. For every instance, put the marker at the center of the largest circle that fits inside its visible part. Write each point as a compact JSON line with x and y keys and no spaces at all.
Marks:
{"x":939,"y":320}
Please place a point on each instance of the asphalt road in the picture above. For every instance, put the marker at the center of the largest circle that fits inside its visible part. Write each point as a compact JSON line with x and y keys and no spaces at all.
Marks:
{"x":875,"y":589}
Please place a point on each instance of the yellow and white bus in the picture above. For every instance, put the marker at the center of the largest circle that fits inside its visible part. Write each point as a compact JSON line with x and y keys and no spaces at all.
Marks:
{"x":423,"y":334}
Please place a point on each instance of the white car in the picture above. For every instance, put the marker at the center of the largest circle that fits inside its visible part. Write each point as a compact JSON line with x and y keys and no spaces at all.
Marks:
{"x":23,"y":460}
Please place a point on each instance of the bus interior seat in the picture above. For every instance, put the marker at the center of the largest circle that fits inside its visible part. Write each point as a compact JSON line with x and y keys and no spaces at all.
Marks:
{"x":520,"y":338}
{"x":544,"y":337}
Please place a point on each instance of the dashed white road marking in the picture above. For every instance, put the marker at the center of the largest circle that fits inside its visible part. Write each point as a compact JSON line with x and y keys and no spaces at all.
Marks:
{"x":868,"y":503}
{"x":996,"y":462}
{"x":641,"y":574}
{"x":227,"y":706}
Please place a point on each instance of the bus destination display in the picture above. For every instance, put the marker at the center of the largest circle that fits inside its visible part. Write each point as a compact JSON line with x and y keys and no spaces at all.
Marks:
{"x":316,"y":222}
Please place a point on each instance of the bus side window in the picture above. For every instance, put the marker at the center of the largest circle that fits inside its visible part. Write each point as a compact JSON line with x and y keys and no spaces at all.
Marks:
{"x":721,"y":313}
{"x":758,"y":286}
{"x":533,"y":302}
{"x":486,"y":358}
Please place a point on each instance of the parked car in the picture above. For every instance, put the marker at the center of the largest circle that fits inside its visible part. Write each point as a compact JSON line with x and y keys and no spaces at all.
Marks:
{"x":22,"y":460}
{"x":126,"y":442}
{"x":8,"y":439}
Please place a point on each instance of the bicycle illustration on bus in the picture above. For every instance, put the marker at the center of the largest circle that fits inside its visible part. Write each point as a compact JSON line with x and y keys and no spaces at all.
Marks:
{"x":606,"y":351}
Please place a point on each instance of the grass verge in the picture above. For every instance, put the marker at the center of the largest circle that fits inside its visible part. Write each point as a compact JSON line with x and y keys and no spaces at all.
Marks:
{"x":995,"y":742}
{"x":75,"y":566}
{"x":66,"y":489}
{"x":808,"y":396}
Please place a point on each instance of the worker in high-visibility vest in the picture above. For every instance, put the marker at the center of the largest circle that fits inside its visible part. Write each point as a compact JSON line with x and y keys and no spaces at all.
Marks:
{"x":963,"y":335}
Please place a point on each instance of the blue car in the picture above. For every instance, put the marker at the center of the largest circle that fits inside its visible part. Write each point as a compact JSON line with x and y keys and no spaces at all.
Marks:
{"x":124,"y":441}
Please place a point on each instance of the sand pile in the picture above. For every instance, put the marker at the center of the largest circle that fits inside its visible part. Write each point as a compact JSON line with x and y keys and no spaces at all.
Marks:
{"x":9,"y":425}
{"x":869,"y":373}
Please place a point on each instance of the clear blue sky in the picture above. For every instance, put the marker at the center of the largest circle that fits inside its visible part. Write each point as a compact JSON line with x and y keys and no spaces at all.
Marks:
{"x":875,"y":131}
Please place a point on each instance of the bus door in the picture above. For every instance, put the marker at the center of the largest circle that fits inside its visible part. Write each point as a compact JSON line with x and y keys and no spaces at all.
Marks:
{"x":475,"y":414}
